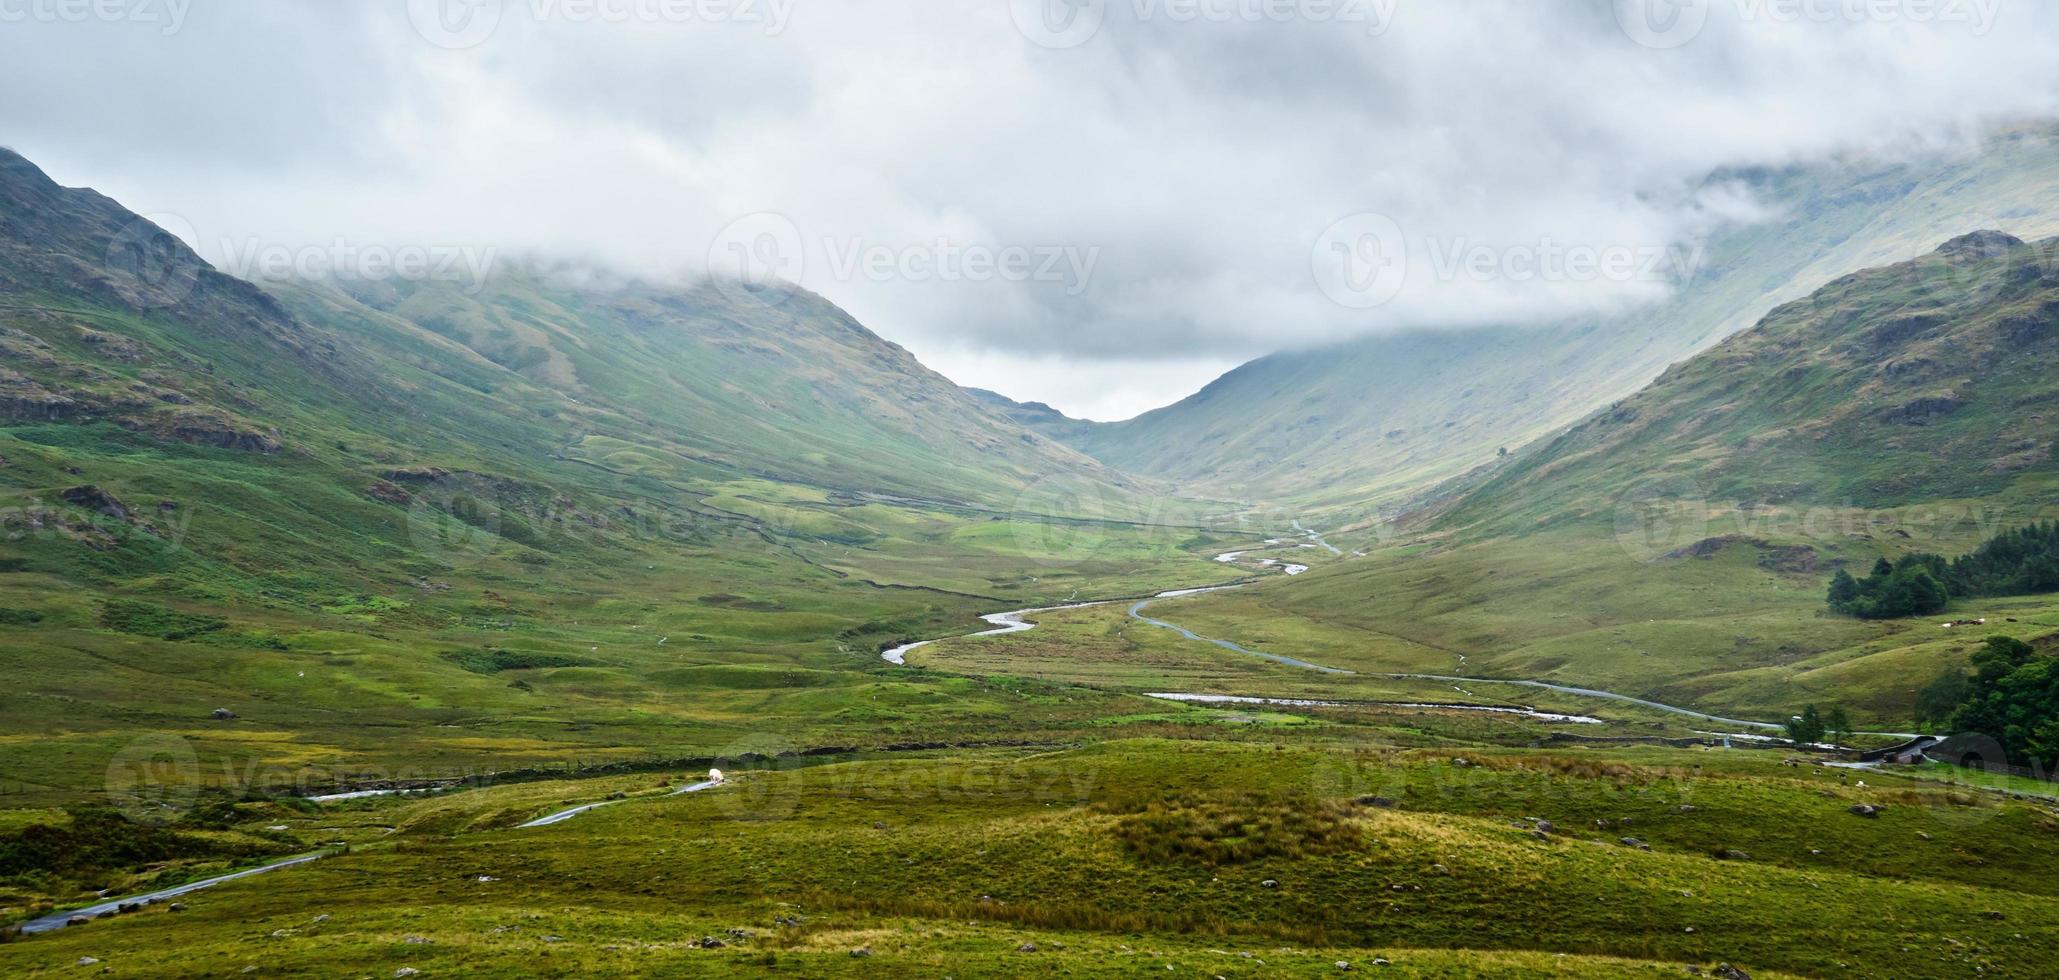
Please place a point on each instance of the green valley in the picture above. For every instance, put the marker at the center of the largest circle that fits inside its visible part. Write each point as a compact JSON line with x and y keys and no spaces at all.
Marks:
{"x":566,"y":621}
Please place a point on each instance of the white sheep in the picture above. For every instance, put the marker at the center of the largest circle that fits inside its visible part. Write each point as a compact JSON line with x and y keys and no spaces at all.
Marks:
{"x":715,"y":776}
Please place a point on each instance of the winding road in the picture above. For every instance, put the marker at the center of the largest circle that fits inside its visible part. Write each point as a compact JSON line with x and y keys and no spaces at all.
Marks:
{"x":1014,"y":622}
{"x":58,"y":920}
{"x":563,"y":815}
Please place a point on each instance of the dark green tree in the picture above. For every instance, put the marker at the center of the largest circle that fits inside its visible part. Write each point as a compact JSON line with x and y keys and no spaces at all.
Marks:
{"x":2013,"y":699}
{"x":1805,"y":728}
{"x":1837,"y":724}
{"x":1844,"y":590}
{"x":1939,"y":699}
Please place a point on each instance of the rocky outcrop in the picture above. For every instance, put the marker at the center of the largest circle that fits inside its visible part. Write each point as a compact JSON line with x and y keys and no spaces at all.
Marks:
{"x":97,"y":500}
{"x":110,"y":345}
{"x":1923,"y":411}
{"x":1984,"y":244}
{"x":22,"y":397}
{"x":388,"y":493}
{"x":417,"y":474}
{"x":206,"y":428}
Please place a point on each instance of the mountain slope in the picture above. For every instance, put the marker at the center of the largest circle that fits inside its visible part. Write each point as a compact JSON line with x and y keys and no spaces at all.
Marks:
{"x":790,"y":387}
{"x":1677,"y":546}
{"x":1385,"y":417}
{"x":327,"y":444}
{"x":1924,"y":381}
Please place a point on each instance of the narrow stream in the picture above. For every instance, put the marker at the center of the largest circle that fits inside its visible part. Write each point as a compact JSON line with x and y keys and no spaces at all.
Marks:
{"x":563,"y":815}
{"x":1013,"y":622}
{"x":59,"y":920}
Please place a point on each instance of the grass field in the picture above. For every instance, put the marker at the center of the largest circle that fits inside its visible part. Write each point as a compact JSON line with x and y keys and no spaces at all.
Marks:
{"x":1129,"y":855}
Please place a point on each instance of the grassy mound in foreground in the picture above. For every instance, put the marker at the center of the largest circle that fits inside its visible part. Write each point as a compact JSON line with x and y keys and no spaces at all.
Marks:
{"x":953,"y":863}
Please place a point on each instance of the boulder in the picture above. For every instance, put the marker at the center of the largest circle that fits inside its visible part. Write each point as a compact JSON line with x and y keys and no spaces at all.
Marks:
{"x":388,"y":493}
{"x":1866,"y":810}
{"x":1026,"y":948}
{"x":1725,"y":971}
{"x":222,"y":714}
{"x":96,"y":500}
{"x":1634,"y":842}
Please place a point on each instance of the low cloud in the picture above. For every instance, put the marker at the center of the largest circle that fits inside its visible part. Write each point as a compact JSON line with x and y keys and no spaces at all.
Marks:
{"x":1200,"y":173}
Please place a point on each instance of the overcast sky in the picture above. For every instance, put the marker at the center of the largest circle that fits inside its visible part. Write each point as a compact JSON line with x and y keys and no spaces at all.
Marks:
{"x":1097,"y":203}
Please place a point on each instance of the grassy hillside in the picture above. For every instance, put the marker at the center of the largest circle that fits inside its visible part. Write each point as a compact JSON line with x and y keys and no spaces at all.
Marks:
{"x":782,"y":384}
{"x":1383,"y":418}
{"x":1677,"y":545}
{"x":386,"y":552}
{"x":1916,"y":382}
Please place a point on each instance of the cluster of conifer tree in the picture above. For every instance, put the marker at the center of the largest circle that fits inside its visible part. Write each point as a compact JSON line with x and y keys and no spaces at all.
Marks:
{"x":2019,"y":562}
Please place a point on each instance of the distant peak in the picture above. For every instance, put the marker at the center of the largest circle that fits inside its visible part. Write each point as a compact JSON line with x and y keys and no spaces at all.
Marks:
{"x":1986,"y":243}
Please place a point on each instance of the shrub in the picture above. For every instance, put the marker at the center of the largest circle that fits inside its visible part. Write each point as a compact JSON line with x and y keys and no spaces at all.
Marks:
{"x":151,"y":619}
{"x":495,"y":661}
{"x":1233,"y":829}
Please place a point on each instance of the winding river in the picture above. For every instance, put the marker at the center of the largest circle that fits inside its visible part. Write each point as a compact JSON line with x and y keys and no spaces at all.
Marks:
{"x":1015,"y":622}
{"x":58,"y":920}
